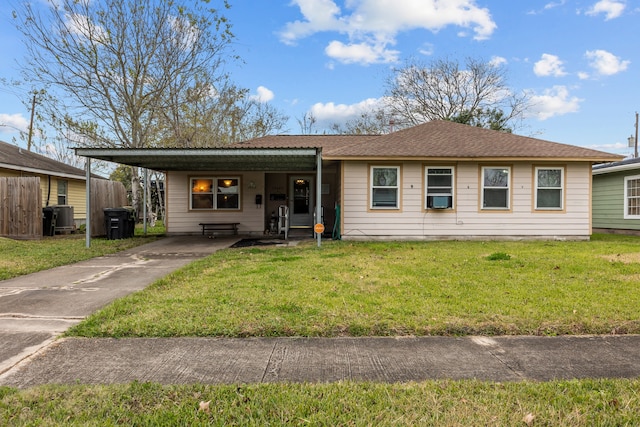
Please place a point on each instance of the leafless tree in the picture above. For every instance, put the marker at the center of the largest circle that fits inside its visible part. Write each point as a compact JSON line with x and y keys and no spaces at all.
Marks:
{"x":475,"y":92}
{"x":307,"y":123}
{"x":114,"y":62}
{"x":373,"y":122}
{"x":213,"y":114}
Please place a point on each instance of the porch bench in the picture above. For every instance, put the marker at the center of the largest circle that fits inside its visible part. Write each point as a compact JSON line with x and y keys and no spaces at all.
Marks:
{"x":213,"y":226}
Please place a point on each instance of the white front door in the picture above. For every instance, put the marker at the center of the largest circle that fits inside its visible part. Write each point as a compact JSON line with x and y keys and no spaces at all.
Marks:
{"x":301,"y":201}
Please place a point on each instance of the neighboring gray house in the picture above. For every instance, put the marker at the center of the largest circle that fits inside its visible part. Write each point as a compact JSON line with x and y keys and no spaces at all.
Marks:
{"x":616,"y":196}
{"x":438,"y":180}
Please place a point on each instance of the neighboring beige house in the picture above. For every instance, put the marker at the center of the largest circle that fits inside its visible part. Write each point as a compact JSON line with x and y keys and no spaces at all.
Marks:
{"x":439,"y":180}
{"x":60,"y":184}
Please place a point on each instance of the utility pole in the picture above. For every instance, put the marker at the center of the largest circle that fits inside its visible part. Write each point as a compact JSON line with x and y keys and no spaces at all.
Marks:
{"x":33,"y":109}
{"x":635,"y":146}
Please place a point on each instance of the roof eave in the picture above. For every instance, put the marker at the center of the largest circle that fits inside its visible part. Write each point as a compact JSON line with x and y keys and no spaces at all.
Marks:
{"x":42,"y":171}
{"x":472,"y":159}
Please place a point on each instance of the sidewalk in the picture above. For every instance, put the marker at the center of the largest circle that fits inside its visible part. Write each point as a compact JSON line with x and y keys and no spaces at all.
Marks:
{"x":35,"y":309}
{"x":256,"y":360}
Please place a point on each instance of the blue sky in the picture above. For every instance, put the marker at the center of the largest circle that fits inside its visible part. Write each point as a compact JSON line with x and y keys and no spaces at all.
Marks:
{"x":578,"y":60}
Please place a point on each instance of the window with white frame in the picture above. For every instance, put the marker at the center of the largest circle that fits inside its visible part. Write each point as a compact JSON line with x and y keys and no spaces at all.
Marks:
{"x":385,"y":187}
{"x":549,"y":188}
{"x":495,"y":187}
{"x":439,"y":187}
{"x":219,"y":193}
{"x":632,"y":197}
{"x":63,"y":190}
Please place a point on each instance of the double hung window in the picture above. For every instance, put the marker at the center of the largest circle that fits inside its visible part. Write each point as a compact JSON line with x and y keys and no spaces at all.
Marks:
{"x":385,"y":187}
{"x":549,"y":188}
{"x":63,"y":190}
{"x":496,"y":185}
{"x":215,"y":193}
{"x":632,"y":197}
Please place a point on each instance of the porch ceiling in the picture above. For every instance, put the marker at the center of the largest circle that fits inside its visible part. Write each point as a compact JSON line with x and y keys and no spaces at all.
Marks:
{"x":207,"y":159}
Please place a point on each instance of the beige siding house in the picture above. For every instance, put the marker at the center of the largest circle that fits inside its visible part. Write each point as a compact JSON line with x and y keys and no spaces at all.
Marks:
{"x":439,"y":180}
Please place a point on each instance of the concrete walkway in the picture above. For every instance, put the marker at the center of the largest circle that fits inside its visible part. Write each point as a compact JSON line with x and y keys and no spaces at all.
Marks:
{"x":35,"y":309}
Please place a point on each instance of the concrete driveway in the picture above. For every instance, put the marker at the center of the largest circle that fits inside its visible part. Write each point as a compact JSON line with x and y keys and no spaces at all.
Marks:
{"x":36,"y":308}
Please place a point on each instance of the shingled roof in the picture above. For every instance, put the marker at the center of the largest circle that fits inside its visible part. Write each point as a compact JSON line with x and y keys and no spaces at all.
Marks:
{"x":15,"y":158}
{"x":437,"y":139}
{"x":328,"y":143}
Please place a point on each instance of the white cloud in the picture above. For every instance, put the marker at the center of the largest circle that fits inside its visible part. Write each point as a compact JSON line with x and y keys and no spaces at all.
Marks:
{"x":553,"y":102}
{"x":83,"y":26}
{"x":549,"y":65}
{"x":605,"y":63}
{"x":548,"y":6}
{"x":611,"y":8}
{"x":361,"y":53}
{"x":328,"y":113}
{"x":376,"y":23}
{"x":553,"y":5}
{"x":497,"y":61}
{"x":10,"y":123}
{"x":320,"y":15}
{"x":262,"y":95}
{"x":426,"y":49}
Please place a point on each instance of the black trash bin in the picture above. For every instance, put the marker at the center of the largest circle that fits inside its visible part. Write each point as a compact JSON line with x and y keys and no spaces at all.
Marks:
{"x":115,"y":223}
{"x":130,"y":224}
{"x":49,"y":217}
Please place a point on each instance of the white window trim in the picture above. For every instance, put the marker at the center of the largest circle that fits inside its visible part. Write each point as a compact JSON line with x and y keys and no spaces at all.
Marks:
{"x":626,"y":197}
{"x":561,"y":188}
{"x":426,"y":186}
{"x":371,"y":187}
{"x":65,"y":194}
{"x":508,"y":188}
{"x":214,"y":193}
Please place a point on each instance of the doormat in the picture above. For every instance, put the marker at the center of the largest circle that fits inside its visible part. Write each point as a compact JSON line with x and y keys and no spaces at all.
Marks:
{"x":245,"y":243}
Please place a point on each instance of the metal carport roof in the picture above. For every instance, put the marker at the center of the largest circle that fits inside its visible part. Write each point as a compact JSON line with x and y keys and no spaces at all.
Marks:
{"x":202,"y":159}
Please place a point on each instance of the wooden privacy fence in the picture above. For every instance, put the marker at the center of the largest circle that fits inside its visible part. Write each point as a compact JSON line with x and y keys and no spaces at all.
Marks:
{"x":20,"y":208}
{"x":105,"y":194}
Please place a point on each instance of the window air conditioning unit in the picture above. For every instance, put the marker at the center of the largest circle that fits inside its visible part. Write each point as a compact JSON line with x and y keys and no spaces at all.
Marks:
{"x":440,"y":202}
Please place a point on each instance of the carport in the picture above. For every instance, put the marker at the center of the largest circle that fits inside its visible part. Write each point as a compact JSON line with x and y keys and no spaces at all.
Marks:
{"x":209,"y":159}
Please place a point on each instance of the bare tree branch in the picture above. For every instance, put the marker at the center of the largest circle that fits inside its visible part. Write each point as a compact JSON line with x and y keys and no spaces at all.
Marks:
{"x":477,"y":94}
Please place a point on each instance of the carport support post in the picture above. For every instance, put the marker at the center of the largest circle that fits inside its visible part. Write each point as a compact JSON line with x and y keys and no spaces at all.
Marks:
{"x":144,"y":209}
{"x":88,"y":214}
{"x":318,"y":192}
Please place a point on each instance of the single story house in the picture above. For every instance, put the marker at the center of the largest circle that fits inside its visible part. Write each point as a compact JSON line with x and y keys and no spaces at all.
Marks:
{"x":438,"y":180}
{"x":60,"y":184}
{"x":616,"y":196}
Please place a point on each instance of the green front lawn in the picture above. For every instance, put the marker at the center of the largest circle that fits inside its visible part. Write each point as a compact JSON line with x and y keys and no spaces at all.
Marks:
{"x":431,"y":403}
{"x":19,"y":257}
{"x":347,"y":288}
{"x":391,"y":288}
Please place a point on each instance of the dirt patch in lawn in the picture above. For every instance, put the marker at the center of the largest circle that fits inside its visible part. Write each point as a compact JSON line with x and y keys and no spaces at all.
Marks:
{"x":625,"y":258}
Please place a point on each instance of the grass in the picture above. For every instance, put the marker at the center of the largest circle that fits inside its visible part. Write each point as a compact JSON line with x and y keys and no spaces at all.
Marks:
{"x":450,"y":403}
{"x":391,"y":288}
{"x":21,"y":257}
{"x":342,"y":288}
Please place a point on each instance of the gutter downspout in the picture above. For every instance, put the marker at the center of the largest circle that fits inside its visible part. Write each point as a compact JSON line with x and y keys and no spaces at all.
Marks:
{"x":48,"y":189}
